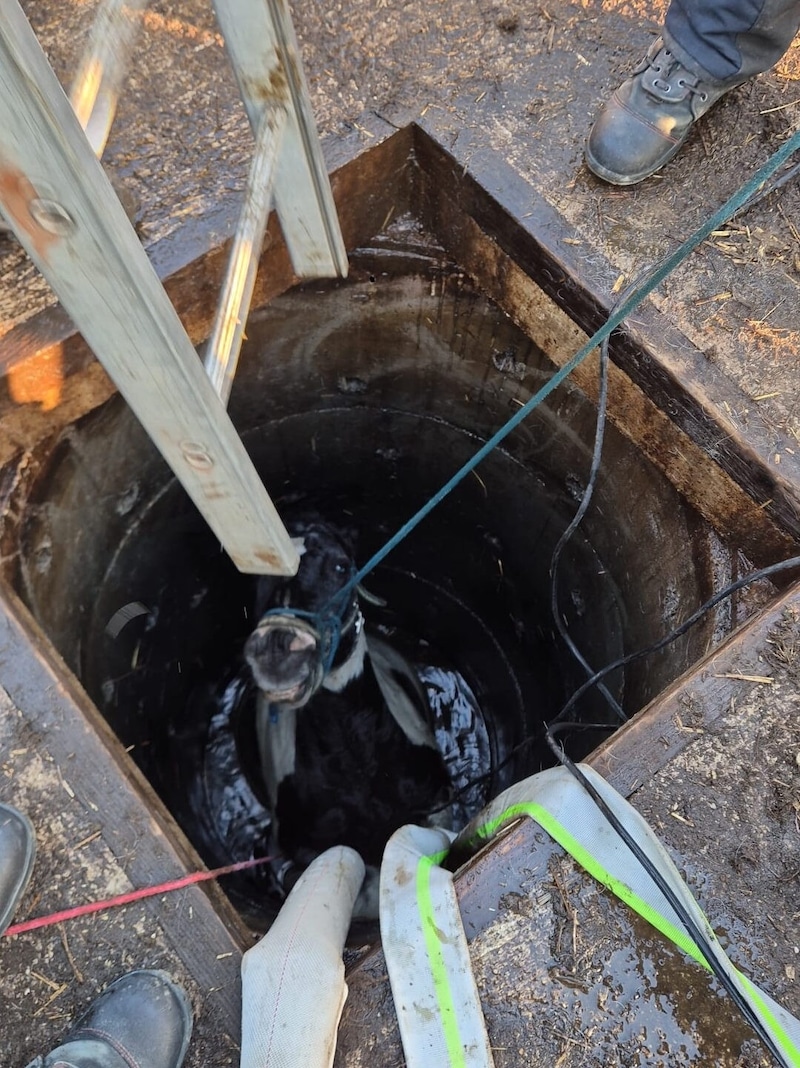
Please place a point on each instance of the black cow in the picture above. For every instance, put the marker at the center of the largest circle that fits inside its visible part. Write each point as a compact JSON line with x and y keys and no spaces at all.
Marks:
{"x":346,"y":744}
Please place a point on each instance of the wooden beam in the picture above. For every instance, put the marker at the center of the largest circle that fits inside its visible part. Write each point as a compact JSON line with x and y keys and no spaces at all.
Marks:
{"x":62,"y":208}
{"x":261,"y":42}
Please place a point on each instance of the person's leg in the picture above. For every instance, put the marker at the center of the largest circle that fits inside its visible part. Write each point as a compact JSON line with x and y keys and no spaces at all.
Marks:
{"x":142,"y":1019}
{"x":707,"y":49}
{"x":731,"y":40}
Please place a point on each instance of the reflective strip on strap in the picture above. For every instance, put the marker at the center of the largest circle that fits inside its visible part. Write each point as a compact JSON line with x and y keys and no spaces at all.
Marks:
{"x":427,"y":957}
{"x":559,"y":804}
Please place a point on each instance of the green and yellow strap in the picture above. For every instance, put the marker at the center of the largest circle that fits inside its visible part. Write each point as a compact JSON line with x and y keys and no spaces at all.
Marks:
{"x":438,"y":1006}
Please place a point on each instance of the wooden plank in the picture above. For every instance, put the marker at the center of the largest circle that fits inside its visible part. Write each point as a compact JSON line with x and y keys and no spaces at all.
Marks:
{"x":225,"y":343}
{"x":261,"y":42}
{"x":96,"y":86}
{"x":371,"y":187}
{"x":62,"y":207}
{"x":659,"y":399}
{"x":729,"y":509}
{"x":101,"y":830}
{"x":693,"y":703}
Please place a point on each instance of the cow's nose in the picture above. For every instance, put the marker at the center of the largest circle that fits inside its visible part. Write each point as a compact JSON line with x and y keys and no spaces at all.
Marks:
{"x":301,"y":640}
{"x":284,"y":640}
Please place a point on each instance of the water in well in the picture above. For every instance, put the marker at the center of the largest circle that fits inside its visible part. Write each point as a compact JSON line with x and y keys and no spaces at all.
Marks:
{"x":360,"y":399}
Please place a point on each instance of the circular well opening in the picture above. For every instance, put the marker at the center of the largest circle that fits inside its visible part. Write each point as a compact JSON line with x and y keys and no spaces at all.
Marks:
{"x":361,"y":399}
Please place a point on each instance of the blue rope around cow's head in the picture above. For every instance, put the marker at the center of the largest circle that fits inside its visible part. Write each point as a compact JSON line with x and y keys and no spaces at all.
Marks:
{"x":327,"y":625}
{"x":326,"y":629}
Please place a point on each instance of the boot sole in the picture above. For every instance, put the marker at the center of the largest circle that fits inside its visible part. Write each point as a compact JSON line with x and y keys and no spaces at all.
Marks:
{"x":629,"y":179}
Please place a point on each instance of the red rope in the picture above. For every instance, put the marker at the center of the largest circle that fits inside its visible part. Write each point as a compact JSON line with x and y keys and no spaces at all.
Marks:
{"x":131,"y":896}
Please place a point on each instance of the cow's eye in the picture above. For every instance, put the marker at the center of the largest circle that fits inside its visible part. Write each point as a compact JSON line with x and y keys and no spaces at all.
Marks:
{"x":339,"y":568}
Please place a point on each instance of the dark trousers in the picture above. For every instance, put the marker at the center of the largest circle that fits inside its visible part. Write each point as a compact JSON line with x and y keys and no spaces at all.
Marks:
{"x":731,"y":40}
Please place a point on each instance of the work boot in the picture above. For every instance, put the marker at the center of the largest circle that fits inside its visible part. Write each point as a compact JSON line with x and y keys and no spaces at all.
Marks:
{"x":143,"y":1020}
{"x":17,"y":851}
{"x":649,"y":117}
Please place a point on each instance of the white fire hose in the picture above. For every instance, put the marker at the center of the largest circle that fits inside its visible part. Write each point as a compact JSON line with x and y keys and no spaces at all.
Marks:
{"x":293,"y":988}
{"x":293,"y":980}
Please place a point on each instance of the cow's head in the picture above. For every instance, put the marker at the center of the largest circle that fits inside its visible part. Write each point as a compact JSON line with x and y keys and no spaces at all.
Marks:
{"x":304,"y":629}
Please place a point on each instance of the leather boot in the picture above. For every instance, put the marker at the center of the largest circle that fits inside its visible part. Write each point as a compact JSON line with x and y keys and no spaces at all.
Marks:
{"x":17,"y":852}
{"x":649,"y":117}
{"x":143,"y":1020}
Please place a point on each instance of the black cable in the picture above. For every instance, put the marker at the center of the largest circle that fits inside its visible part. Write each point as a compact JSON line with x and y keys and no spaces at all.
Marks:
{"x":772,"y":187}
{"x":594,"y":470}
{"x":746,"y":580}
{"x":595,"y":679}
{"x":558,"y":719}
{"x":695,"y":932}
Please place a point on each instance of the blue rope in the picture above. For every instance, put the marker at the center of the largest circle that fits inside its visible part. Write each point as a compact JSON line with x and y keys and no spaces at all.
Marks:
{"x":337,"y":606}
{"x":327,"y":623}
{"x":637,"y":295}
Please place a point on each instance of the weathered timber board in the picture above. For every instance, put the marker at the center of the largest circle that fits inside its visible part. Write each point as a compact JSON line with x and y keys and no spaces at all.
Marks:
{"x":668,"y":398}
{"x":101,"y":831}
